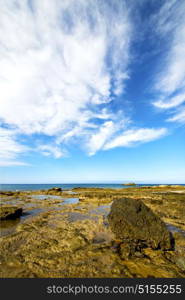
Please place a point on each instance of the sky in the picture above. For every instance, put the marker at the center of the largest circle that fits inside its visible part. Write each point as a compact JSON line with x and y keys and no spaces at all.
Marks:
{"x":92,"y":91}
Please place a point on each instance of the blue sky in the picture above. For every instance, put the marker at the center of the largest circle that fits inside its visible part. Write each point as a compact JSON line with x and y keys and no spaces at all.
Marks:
{"x":92,"y":91}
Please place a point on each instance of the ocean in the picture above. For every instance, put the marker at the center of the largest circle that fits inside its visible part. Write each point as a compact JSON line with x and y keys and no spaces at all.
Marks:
{"x":32,"y":187}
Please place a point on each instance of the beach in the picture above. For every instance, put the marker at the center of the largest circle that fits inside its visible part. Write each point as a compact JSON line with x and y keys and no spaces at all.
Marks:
{"x":67,"y":233}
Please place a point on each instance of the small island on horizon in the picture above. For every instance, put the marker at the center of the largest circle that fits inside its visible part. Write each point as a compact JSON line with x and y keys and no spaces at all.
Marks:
{"x":129,"y":184}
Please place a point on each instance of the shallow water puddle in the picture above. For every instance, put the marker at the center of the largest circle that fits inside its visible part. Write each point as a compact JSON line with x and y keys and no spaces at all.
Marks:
{"x":70,"y":192}
{"x":101,"y":210}
{"x":30,"y":205}
{"x":76,"y":216}
{"x":64,"y":200}
{"x":10,"y":201}
{"x":92,"y":214}
{"x":70,"y":201}
{"x":9,"y":226}
{"x":173,"y":228}
{"x":43,"y":197}
{"x":32,"y":213}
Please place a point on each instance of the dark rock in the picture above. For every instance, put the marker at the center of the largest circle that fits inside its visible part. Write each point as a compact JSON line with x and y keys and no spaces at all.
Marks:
{"x":133,"y":222}
{"x":131,"y":248}
{"x":126,"y":250}
{"x":7,"y":193}
{"x":10,"y":212}
{"x":55,"y":189}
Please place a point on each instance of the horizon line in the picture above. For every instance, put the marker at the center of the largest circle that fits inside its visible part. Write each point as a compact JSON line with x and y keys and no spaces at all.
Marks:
{"x":110,"y":182}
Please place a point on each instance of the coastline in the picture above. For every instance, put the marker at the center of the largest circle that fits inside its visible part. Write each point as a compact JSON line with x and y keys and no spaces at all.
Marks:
{"x":66,"y":234}
{"x":69,"y":186}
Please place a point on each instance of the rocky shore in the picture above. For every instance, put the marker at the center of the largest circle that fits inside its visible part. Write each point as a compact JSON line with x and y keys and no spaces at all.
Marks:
{"x":130,"y":232}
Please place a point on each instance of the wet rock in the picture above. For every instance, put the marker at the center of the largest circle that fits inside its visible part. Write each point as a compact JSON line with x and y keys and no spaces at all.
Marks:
{"x":178,"y":256}
{"x":102,"y":237}
{"x":49,"y":246}
{"x":180,"y":262}
{"x":6,"y":193}
{"x":133,"y":222}
{"x":10,"y":212}
{"x":55,"y":189}
{"x":126,"y":250}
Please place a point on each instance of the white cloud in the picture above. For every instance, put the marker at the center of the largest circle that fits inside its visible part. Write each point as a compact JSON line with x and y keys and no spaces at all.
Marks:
{"x":172,"y":102}
{"x":53,"y":150}
{"x":106,"y":132}
{"x":131,"y":137}
{"x":10,"y":149}
{"x":10,"y":163}
{"x":170,"y":82}
{"x":62,"y":63}
{"x":178,"y":116}
{"x":98,"y":139}
{"x":61,"y":60}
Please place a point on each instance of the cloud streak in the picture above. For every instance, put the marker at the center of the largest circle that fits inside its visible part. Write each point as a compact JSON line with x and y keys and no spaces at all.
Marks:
{"x":170,"y":82}
{"x":61,"y":63}
{"x":133,"y":137}
{"x":50,"y":150}
{"x":63,"y":66}
{"x":10,"y":149}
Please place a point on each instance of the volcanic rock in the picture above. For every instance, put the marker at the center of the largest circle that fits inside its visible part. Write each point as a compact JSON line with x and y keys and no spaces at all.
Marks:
{"x":10,"y":212}
{"x":134,"y":222}
{"x":55,"y":189}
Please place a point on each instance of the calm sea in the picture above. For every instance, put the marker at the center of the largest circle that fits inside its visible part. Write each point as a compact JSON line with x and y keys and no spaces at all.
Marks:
{"x":28,"y":187}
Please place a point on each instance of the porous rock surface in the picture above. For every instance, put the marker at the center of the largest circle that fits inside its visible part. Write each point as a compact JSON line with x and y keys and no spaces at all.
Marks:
{"x":134,"y":222}
{"x":10,"y":212}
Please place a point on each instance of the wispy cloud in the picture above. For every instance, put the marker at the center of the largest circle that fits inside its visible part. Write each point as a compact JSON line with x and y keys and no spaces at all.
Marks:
{"x":171,"y":102}
{"x":179,"y":116}
{"x":63,"y":66}
{"x":170,"y":82}
{"x":10,"y":149}
{"x":98,"y":139}
{"x":130,"y":138}
{"x":61,"y":63}
{"x":51,"y":150}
